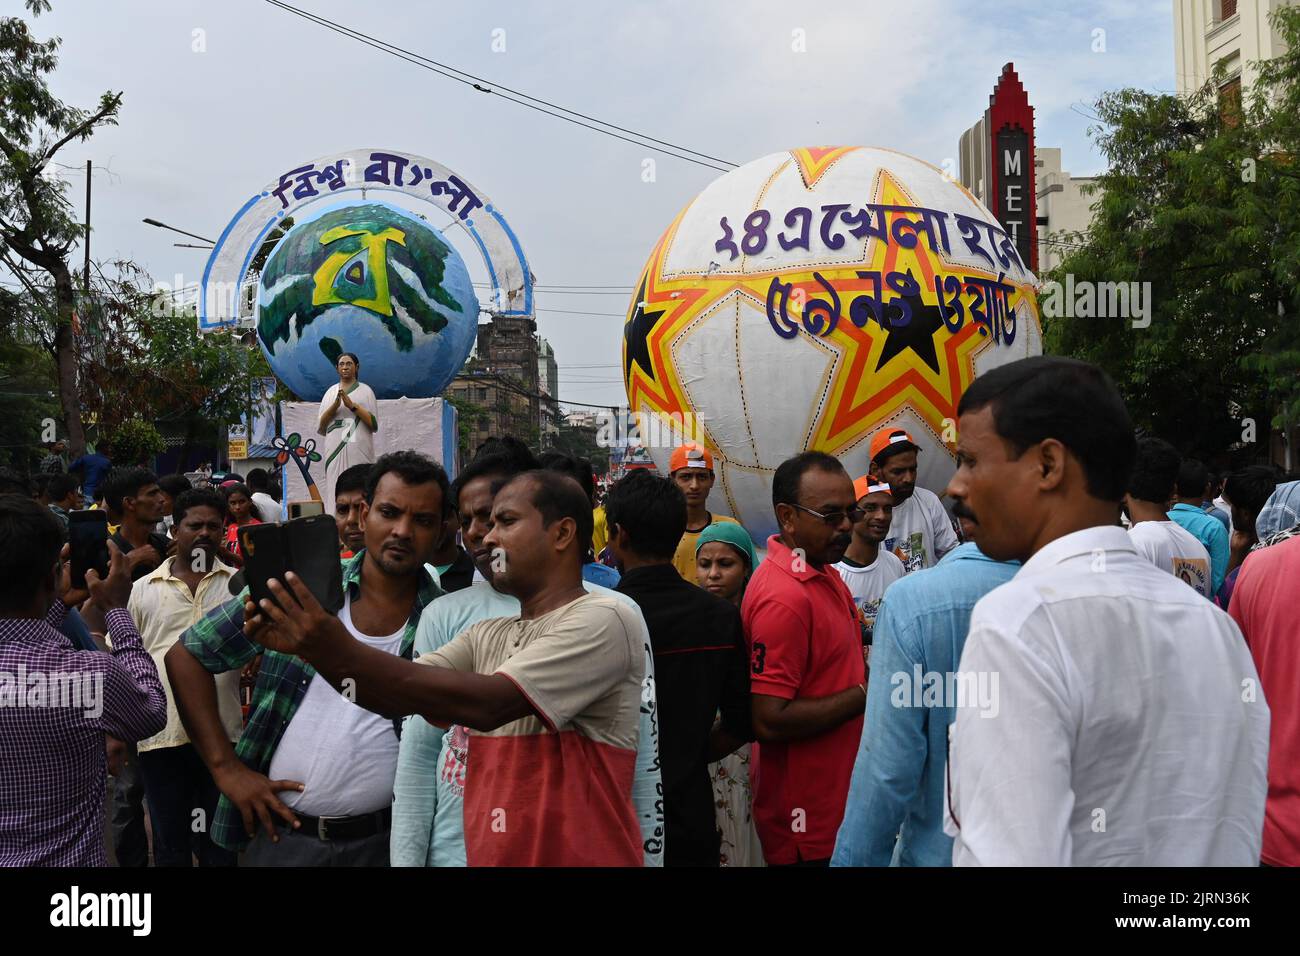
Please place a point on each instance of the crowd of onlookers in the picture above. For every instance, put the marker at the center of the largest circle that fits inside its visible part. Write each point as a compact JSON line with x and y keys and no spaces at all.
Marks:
{"x":1091,"y":657}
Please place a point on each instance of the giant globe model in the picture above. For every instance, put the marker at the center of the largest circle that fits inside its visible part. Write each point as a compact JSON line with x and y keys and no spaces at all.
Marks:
{"x":811,"y":297}
{"x":373,"y":280}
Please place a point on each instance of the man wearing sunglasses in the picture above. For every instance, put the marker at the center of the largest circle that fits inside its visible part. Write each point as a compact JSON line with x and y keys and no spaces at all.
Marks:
{"x":807,"y":675}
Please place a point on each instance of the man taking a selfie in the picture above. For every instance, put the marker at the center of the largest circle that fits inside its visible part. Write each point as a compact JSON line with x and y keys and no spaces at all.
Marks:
{"x":335,"y":760}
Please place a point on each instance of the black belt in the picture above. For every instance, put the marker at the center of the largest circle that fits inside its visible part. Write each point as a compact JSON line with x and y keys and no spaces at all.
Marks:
{"x":347,"y":828}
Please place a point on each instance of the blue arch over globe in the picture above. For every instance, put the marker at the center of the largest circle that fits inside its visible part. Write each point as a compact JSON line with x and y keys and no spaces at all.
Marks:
{"x":371,"y":279}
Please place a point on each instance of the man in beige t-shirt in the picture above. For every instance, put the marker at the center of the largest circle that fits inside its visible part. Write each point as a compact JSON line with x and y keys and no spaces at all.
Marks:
{"x":544,"y":786}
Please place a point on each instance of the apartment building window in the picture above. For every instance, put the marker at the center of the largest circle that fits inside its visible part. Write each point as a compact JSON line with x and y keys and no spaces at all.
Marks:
{"x":1227,"y":9}
{"x":1230,"y":102}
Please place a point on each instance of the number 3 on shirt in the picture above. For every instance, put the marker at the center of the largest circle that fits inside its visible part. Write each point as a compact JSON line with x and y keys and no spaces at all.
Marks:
{"x":760,"y":653}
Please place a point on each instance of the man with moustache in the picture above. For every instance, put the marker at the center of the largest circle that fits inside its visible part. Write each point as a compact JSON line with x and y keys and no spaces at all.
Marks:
{"x":920,"y":532}
{"x":1124,"y":734}
{"x":552,"y":696}
{"x":894,"y":813}
{"x":163,"y":605}
{"x":807,"y":674}
{"x":336,"y":760}
{"x":433,"y":763}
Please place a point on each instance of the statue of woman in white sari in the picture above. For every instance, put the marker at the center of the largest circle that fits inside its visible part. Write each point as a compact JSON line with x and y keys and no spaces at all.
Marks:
{"x":348,"y":420}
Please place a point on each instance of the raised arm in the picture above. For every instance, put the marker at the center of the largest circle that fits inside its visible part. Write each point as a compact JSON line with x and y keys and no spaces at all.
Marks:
{"x":380,"y":682}
{"x":134,"y":702}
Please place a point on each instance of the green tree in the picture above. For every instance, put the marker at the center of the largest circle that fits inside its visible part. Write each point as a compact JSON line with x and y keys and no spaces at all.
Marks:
{"x":37,"y":228}
{"x":1276,"y":111}
{"x":580,"y":441}
{"x":205,"y":380}
{"x":1201,"y":199}
{"x":26,"y":399}
{"x":136,"y":442}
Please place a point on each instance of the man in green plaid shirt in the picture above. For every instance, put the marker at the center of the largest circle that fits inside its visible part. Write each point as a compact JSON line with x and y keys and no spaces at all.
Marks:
{"x":338,"y":810}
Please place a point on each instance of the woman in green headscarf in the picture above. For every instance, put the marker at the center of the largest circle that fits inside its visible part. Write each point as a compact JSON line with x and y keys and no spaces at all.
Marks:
{"x":724,"y":561}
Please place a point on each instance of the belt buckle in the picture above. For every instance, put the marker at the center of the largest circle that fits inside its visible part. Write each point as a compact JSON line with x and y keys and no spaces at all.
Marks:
{"x":322,"y":830}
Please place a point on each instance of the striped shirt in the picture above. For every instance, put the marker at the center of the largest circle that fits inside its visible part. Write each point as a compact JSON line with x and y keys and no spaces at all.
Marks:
{"x":56,"y":705}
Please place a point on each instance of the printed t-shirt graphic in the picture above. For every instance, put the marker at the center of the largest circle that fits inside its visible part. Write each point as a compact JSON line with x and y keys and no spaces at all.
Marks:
{"x":920,"y":532}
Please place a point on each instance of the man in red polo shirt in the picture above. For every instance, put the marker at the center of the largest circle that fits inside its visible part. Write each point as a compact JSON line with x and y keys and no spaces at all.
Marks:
{"x":807,"y":674}
{"x":1263,"y":605}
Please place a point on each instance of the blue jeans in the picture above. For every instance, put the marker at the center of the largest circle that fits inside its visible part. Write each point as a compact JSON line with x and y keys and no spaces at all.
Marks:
{"x":182,"y":801}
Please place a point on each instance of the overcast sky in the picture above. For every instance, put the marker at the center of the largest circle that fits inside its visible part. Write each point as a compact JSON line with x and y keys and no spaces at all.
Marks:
{"x":208,"y":118}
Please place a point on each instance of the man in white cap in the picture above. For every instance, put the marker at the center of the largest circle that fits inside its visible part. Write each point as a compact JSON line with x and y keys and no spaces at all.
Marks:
{"x":921,"y":532}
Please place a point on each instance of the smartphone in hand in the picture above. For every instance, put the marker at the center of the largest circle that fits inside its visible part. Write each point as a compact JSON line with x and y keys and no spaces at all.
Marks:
{"x":306,"y":546}
{"x":88,"y":544}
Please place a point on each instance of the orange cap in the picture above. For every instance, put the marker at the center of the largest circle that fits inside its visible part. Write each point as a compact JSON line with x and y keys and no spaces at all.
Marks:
{"x":690,"y":456}
{"x":891,"y":437}
{"x":866,"y":485}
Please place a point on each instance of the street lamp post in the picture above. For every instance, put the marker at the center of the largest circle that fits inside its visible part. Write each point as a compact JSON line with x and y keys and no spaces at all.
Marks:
{"x":163,"y":225}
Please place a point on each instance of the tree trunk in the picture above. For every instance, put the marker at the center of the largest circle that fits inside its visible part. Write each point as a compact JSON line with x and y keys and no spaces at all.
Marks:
{"x":65,"y":359}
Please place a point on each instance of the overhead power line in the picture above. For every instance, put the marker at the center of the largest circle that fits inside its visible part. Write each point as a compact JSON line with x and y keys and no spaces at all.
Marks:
{"x":515,"y":96}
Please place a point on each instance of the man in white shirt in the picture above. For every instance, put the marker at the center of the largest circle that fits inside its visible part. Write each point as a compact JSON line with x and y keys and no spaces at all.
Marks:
{"x":866,"y":568}
{"x":164,"y":604}
{"x":1125,"y":723}
{"x":920,"y":531}
{"x":259,"y":483}
{"x":1163,"y":542}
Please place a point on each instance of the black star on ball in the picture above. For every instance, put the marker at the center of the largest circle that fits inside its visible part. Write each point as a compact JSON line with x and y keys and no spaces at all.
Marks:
{"x":917,"y":334}
{"x":636,"y":336}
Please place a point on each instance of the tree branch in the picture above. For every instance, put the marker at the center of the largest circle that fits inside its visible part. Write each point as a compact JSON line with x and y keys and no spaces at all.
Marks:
{"x":82,"y":129}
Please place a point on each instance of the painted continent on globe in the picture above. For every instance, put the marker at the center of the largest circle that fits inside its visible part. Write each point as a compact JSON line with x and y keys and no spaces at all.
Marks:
{"x":810,"y":297}
{"x":370,"y":279}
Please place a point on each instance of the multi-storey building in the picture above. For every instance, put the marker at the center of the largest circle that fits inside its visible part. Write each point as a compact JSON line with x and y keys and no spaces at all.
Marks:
{"x":1231,"y":33}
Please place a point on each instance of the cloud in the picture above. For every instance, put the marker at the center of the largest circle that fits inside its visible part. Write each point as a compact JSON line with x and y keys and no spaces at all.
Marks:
{"x":201,"y":131}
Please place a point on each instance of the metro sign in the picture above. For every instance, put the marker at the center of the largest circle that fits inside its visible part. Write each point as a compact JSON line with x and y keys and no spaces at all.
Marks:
{"x":1010,"y":124}
{"x":1014,"y":197}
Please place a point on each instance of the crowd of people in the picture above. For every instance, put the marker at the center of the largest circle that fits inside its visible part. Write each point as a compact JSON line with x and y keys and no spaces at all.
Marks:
{"x":1093,"y":661}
